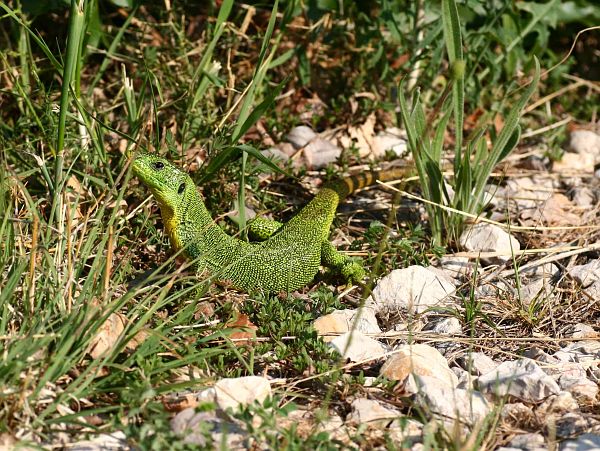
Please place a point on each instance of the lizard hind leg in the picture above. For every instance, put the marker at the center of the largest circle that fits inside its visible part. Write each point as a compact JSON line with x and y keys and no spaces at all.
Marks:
{"x":351,"y":270}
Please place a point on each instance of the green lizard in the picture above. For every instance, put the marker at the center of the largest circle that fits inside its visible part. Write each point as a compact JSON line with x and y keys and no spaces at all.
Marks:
{"x":290,"y":254}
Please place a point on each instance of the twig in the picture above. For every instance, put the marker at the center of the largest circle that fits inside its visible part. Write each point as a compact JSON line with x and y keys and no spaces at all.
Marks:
{"x":32,"y":258}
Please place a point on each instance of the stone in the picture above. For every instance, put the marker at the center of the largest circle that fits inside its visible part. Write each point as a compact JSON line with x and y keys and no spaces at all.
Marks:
{"x":392,"y":139}
{"x":583,"y":196}
{"x":586,"y":275}
{"x":115,"y":441}
{"x":556,"y":211}
{"x":239,"y":392}
{"x":300,"y":136}
{"x":342,"y":321}
{"x":319,"y":153}
{"x":516,"y":412}
{"x":208,"y":395}
{"x":548,"y":363}
{"x":585,"y":442}
{"x":529,"y":442}
{"x":412,"y":289}
{"x":332,"y":424}
{"x":477,"y":363}
{"x":369,"y":411}
{"x":575,"y":162}
{"x":585,"y":353}
{"x":583,"y":389}
{"x":275,"y":153}
{"x":450,"y":403}
{"x":536,"y":290}
{"x":557,"y":405}
{"x":361,"y":137}
{"x":527,"y":192}
{"x":370,"y":381}
{"x":593,"y":291}
{"x":443,"y":275}
{"x":585,"y":142}
{"x":8,"y":442}
{"x":545,"y":271}
{"x":465,"y":380}
{"x":456,"y":267}
{"x":572,"y":370}
{"x":421,"y":360}
{"x":536,"y":162}
{"x":583,"y":331}
{"x":574,"y":423}
{"x":206,"y":429}
{"x":405,"y":432}
{"x":483,"y":237}
{"x":499,"y":289}
{"x":356,"y":347}
{"x":522,"y":379}
{"x":447,"y":326}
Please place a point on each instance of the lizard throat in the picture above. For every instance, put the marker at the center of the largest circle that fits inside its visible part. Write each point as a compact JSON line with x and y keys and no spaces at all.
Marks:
{"x":171,"y":221}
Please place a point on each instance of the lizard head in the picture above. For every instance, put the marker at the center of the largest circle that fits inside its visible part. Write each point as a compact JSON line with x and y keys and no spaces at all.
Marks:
{"x":167,"y":182}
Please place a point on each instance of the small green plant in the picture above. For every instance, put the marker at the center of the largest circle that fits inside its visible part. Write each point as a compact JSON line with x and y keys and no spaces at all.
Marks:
{"x":473,"y":160}
{"x":403,"y":247}
{"x":264,"y":423}
{"x":288,"y":324}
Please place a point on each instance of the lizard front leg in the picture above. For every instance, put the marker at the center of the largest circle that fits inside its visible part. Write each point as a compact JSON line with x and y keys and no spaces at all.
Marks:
{"x":261,"y":229}
{"x":351,"y":270}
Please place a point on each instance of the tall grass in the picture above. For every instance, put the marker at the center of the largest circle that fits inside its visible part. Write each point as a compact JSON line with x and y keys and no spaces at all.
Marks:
{"x":473,"y":161}
{"x":69,"y":241}
{"x":80,"y":252}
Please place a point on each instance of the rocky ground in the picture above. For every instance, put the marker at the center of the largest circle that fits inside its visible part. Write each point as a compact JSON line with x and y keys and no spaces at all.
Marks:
{"x":493,"y":347}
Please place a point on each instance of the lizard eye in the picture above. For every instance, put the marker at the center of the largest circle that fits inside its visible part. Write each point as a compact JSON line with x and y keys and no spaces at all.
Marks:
{"x":158,"y":165}
{"x":181,"y":188}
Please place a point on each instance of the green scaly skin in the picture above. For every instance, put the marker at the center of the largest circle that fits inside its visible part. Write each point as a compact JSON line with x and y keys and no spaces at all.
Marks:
{"x":289,"y":255}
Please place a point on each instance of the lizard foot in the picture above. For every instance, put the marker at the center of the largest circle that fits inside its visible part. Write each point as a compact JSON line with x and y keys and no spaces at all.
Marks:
{"x":353,"y":271}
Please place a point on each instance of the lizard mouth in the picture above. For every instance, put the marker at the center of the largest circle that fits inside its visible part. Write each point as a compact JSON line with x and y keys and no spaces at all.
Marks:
{"x":143,"y":171}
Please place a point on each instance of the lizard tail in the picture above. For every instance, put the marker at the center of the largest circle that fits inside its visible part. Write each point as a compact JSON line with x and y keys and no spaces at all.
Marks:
{"x":346,"y":186}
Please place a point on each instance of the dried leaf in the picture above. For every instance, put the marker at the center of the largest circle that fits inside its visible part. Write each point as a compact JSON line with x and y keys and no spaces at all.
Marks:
{"x":179,"y":403}
{"x":75,"y":195}
{"x":554,"y":212}
{"x":204,"y":311}
{"x":246,"y":330}
{"x":362,"y":137}
{"x":110,"y":333}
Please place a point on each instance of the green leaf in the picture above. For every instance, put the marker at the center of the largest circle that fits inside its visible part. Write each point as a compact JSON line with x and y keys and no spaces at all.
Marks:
{"x":221,"y":159}
{"x":453,"y":38}
{"x":511,"y":144}
{"x":547,"y":13}
{"x":226,"y":156}
{"x":260,"y":109}
{"x":506,"y":138}
{"x":452,"y":34}
{"x":254,"y":152}
{"x":268,"y":33}
{"x":283,"y":58}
